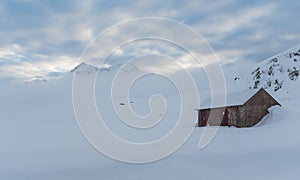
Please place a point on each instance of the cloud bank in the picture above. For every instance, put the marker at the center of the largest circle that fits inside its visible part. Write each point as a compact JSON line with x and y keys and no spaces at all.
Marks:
{"x":42,"y":39}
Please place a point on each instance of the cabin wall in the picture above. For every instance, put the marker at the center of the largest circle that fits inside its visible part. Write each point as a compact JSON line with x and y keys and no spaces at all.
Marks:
{"x":214,"y":117}
{"x":238,"y":116}
{"x":256,"y":108}
{"x":203,"y":117}
{"x":234,"y":115}
{"x":246,"y":115}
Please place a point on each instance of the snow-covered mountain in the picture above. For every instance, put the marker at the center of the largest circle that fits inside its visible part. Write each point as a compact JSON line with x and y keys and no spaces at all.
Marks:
{"x":88,"y":68}
{"x":278,"y":73}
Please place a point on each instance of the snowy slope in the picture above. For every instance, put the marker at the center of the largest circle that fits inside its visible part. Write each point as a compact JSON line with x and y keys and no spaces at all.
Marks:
{"x":40,"y":138}
{"x":277,"y":73}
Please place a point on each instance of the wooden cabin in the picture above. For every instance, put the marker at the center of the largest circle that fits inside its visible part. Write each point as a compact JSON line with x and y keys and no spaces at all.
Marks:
{"x":245,"y":111}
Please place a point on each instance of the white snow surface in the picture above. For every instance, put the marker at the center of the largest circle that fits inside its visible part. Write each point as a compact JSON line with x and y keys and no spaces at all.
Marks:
{"x":40,"y":138}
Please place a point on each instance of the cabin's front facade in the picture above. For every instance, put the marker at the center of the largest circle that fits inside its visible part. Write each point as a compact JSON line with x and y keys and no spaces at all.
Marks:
{"x":246,"y":114}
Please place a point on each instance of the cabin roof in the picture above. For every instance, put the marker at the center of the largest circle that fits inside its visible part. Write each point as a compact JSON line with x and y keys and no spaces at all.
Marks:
{"x":232,"y":99}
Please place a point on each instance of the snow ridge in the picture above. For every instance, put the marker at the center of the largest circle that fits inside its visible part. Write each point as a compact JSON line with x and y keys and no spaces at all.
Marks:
{"x":84,"y":68}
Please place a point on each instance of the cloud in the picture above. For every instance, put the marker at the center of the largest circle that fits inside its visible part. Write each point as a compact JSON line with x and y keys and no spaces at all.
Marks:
{"x":225,"y":23}
{"x":44,"y":68}
{"x":35,"y":33}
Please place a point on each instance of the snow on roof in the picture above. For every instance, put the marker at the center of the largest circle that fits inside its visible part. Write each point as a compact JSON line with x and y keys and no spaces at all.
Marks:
{"x":232,"y":99}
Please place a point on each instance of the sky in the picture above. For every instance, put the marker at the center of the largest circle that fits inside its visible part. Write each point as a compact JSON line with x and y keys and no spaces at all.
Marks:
{"x":42,"y":39}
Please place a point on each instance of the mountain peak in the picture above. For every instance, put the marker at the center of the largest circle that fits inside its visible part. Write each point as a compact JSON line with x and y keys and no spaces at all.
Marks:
{"x":85,"y":68}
